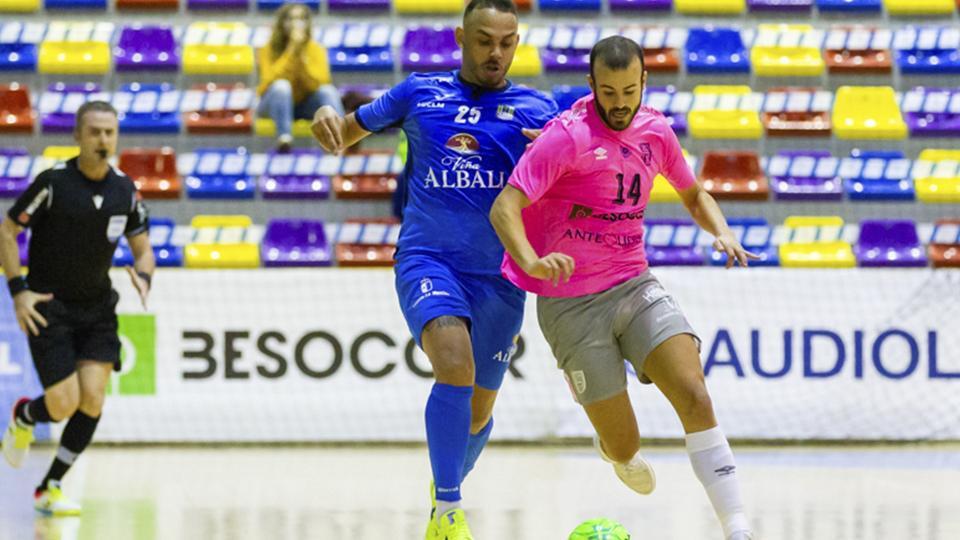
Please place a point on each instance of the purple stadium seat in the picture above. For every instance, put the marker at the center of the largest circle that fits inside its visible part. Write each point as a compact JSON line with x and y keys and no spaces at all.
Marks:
{"x":295,"y":242}
{"x":293,"y":176}
{"x":780,"y":5}
{"x":146,"y":48}
{"x":672,"y":242}
{"x":889,"y":243}
{"x":356,"y":5}
{"x":430,"y":48}
{"x":640,"y":4}
{"x":662,"y":102}
{"x":60,"y":121}
{"x":799,"y":179}
{"x":218,"y":4}
{"x":559,"y":60}
{"x":14,"y":178}
{"x":935,"y":114}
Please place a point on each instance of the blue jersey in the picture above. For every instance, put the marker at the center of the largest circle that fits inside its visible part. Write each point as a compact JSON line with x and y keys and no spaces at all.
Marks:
{"x":463,"y":144}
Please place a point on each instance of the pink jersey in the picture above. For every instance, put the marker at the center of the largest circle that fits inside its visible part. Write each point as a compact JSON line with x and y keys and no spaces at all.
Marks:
{"x":589,"y":186}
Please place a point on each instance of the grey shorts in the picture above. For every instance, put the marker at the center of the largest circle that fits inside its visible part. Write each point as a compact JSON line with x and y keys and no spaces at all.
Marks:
{"x":591,"y":335}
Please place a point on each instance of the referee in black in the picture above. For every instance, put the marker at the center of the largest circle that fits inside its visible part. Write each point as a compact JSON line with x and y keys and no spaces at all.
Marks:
{"x":77,"y":211}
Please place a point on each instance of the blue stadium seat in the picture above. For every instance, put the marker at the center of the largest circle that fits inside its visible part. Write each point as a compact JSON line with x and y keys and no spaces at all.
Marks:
{"x":849,"y":5}
{"x":161,"y":238}
{"x":18,"y":45}
{"x":569,"y":5}
{"x":673,"y":242}
{"x":271,"y":5}
{"x":928,"y":50}
{"x":75,"y":4}
{"x":716,"y":50}
{"x":755,"y":235}
{"x":217,"y":174}
{"x":359,"y":47}
{"x":148,"y":108}
{"x":566,"y":95}
{"x":877,"y":175}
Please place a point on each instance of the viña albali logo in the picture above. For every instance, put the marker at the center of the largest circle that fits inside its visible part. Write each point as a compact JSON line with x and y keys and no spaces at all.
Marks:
{"x":464,"y":171}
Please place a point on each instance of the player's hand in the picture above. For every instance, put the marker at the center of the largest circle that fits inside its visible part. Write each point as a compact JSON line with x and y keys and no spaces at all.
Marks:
{"x":327,"y":128}
{"x":140,"y":284}
{"x":25,"y":304}
{"x":726,"y":243}
{"x":553,"y":267}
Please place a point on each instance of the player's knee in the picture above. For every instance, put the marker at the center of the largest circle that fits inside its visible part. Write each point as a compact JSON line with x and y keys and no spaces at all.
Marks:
{"x":281,"y":86}
{"x":698,"y":402}
{"x":91,"y":403}
{"x":451,"y":366}
{"x":62,"y":402}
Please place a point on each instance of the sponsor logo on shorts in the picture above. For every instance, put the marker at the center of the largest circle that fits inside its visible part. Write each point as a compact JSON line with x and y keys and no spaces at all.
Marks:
{"x":426,"y":285}
{"x":138,"y":373}
{"x":464,"y":143}
{"x":578,"y":381}
{"x":579,"y":211}
{"x":654,"y":293}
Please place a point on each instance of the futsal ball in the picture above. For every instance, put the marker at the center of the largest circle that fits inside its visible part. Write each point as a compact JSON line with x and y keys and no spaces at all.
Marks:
{"x":600,"y":529}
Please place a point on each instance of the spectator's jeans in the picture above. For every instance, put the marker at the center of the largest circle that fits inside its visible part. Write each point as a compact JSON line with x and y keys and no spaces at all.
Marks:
{"x":277,"y":103}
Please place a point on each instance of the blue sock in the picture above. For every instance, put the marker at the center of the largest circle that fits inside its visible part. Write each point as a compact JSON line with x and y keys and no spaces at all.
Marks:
{"x":448,"y":428}
{"x":475,"y":446}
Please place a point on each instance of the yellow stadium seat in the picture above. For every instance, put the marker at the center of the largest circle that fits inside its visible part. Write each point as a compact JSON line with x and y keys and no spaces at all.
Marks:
{"x":214,"y":54}
{"x":867,"y":112}
{"x":264,"y":127}
{"x":713,"y":7}
{"x":919,"y":7}
{"x":74,"y":57}
{"x":662,"y":191}
{"x":724,"y":123}
{"x":823,"y":249}
{"x":217,"y":254}
{"x":785,"y":61}
{"x":19,"y":5}
{"x":61,"y":153}
{"x":405,"y":7}
{"x":526,"y":63}
{"x":940,"y":188}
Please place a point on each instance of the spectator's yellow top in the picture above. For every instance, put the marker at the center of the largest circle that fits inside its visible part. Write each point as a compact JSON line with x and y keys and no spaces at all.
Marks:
{"x":306,"y":71}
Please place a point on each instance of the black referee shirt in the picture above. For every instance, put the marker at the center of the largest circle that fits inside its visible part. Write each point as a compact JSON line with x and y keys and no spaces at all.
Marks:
{"x":76,"y":224}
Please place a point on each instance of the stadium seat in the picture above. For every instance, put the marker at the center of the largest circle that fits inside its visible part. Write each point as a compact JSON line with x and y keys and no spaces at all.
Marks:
{"x":569,"y":5}
{"x":369,"y":175}
{"x":662,"y":191}
{"x":716,"y":50}
{"x":366,"y":242}
{"x":526,"y":62}
{"x":76,"y":48}
{"x":295,"y":242}
{"x":710,"y":7}
{"x":15,"y":171}
{"x":756,"y":236}
{"x":787,"y":50}
{"x":265,"y":127}
{"x":165,"y":253}
{"x":569,"y":48}
{"x":430,"y":48}
{"x":928,"y":50}
{"x":217,"y":48}
{"x":214,"y":109}
{"x":18,"y":45}
{"x":148,"y":108}
{"x":805,"y":175}
{"x":638,"y":5}
{"x":16,"y":116}
{"x":360,"y":47}
{"x":674,"y":105}
{"x":816,"y":242}
{"x":23,"y":6}
{"x":566,"y":95}
{"x":791,"y":6}
{"x":920,"y":7}
{"x":858,"y":51}
{"x":272,"y":5}
{"x":889,"y":243}
{"x":729,"y":112}
{"x":797,"y":112}
{"x":58,"y":105}
{"x":672,"y":242}
{"x":944,"y":248}
{"x":734,"y":176}
{"x":217,"y":174}
{"x":75,"y":4}
{"x":877,"y":176}
{"x":661,"y":46}
{"x":849,"y":5}
{"x":146,"y":48}
{"x":222,"y":242}
{"x":61,"y":153}
{"x":148,"y":4}
{"x":413,"y":7}
{"x":937,"y":176}
{"x":304,"y":174}
{"x":218,"y":4}
{"x":358,"y":5}
{"x":932,"y":112}
{"x":153,"y":170}
{"x":867,"y":112}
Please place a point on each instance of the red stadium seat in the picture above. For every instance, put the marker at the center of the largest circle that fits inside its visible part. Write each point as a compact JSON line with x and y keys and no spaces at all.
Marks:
{"x":357,"y":254}
{"x":796,"y":123}
{"x":862,"y":60}
{"x":945,"y":255}
{"x":661,"y":59}
{"x":734,"y":176}
{"x":365,"y":186}
{"x":226,"y":121}
{"x":148,"y":4}
{"x":154,"y":171}
{"x":16,"y":116}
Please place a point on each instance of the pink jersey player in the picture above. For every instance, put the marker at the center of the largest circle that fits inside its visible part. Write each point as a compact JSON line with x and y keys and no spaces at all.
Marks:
{"x":589,"y":186}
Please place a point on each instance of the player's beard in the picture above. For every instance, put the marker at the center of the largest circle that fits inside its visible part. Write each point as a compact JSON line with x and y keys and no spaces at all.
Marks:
{"x":617,"y":119}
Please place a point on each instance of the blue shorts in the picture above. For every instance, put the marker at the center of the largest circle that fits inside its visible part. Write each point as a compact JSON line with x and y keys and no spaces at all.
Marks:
{"x":428,"y":288}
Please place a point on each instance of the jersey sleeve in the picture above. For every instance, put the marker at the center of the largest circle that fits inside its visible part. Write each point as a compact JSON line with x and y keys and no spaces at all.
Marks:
{"x":389,"y":109}
{"x":32,"y":205}
{"x":138,"y":219}
{"x":545,"y":112}
{"x":674,"y":166}
{"x":544,"y":162}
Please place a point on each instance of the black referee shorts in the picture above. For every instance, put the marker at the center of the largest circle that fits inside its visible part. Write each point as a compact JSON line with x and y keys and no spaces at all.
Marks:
{"x":75,"y":332}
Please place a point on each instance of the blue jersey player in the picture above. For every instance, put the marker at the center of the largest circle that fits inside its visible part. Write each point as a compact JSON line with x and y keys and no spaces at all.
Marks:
{"x":467,"y":129}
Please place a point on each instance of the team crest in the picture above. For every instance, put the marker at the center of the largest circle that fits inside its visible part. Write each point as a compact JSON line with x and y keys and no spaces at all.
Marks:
{"x":463,"y":143}
{"x":645,"y":153}
{"x":506,"y":112}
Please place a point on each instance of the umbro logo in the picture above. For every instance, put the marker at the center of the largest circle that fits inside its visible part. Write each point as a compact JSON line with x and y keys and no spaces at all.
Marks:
{"x":726,"y":470}
{"x":600,"y":154}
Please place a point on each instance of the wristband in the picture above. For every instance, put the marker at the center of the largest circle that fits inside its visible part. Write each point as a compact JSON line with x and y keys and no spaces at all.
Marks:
{"x":17,"y":285}
{"x":146,"y":277}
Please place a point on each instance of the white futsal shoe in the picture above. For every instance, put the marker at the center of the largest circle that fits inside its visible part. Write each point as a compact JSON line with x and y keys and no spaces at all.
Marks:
{"x":741,"y":535}
{"x":636,"y":474}
{"x":52,"y":502}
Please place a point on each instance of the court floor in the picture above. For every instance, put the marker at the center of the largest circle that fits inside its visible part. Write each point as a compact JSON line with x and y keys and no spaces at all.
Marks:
{"x":792,"y":493}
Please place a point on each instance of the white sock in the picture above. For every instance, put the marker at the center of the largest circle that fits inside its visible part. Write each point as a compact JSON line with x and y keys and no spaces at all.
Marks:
{"x":445,"y":506}
{"x":713,"y":463}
